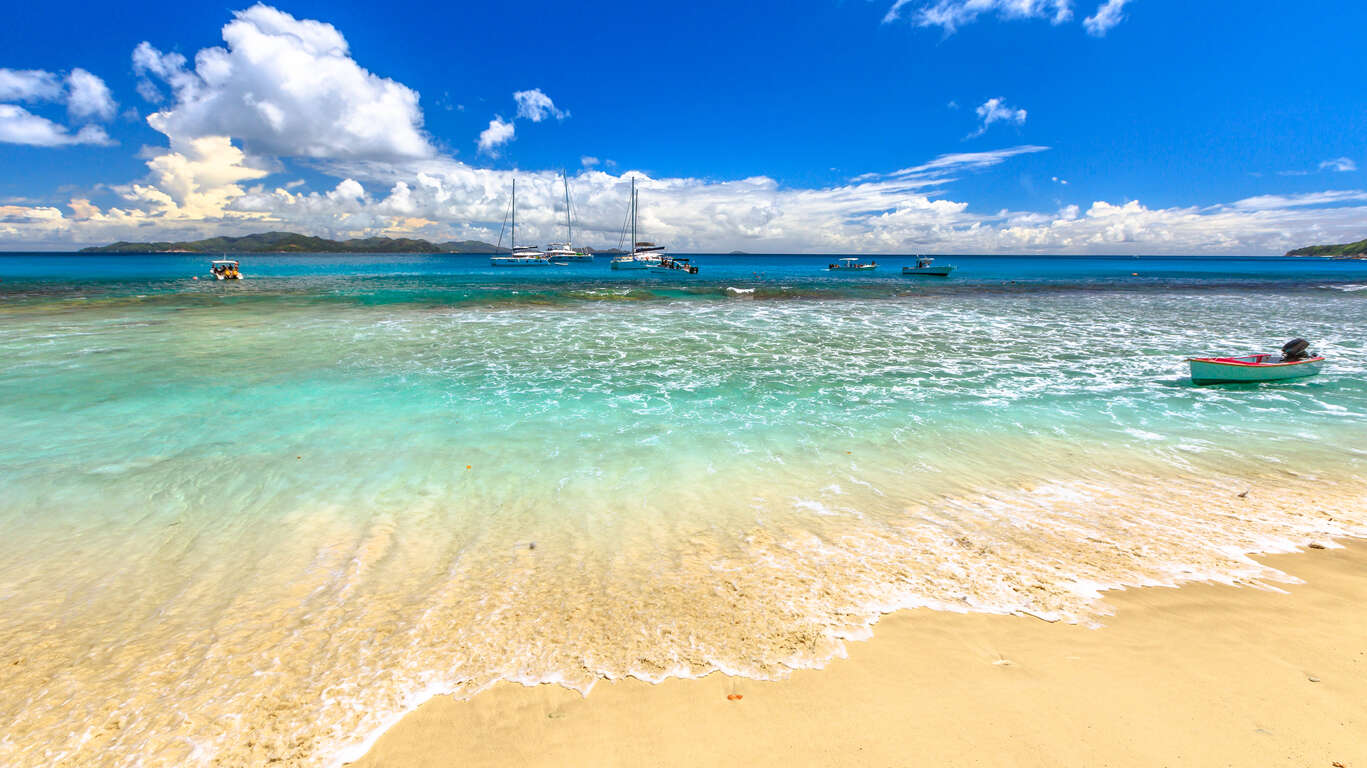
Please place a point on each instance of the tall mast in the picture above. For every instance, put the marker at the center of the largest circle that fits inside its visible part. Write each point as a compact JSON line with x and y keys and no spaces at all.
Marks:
{"x":633,"y":214}
{"x":513,"y":247}
{"x":569,"y":228}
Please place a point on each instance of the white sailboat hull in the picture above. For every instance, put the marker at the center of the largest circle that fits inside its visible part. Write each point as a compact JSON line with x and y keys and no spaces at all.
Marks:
{"x":518,"y":261}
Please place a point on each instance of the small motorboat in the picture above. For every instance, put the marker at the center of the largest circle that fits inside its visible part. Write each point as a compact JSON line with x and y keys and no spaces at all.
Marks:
{"x":224,"y":269}
{"x":853,"y":263}
{"x":926,"y":266}
{"x":1296,"y":362}
{"x":675,"y":264}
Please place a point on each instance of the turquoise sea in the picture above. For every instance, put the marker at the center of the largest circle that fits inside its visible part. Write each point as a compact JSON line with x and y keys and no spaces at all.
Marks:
{"x":261,"y":520}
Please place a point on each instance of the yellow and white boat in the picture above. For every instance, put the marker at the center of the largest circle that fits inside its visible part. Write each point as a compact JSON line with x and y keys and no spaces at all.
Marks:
{"x":225,"y":269}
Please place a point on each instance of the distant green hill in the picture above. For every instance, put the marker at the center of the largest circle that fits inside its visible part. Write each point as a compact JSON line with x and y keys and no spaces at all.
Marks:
{"x":1345,"y":251}
{"x":289,"y":242}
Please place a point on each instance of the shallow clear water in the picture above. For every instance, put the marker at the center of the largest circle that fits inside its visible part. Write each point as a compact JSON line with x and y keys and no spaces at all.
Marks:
{"x":259,"y":520}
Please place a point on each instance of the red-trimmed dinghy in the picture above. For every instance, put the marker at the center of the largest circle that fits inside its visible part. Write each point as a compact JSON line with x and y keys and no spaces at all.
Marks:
{"x":1296,"y":362}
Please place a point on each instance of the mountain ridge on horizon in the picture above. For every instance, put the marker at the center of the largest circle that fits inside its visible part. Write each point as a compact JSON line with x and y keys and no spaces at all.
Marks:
{"x":292,"y":242}
{"x":1356,"y":250}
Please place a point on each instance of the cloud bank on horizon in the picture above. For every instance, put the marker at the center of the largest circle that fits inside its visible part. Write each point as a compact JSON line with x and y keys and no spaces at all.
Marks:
{"x":287,"y":90}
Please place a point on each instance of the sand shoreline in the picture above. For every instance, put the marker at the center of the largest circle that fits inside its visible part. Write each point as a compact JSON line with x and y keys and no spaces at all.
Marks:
{"x":1198,"y":675}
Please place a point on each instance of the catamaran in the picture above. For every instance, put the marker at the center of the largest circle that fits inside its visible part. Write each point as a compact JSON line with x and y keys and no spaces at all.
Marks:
{"x":647,"y":255}
{"x":558,"y":252}
{"x":643,"y":255}
{"x":525,"y":256}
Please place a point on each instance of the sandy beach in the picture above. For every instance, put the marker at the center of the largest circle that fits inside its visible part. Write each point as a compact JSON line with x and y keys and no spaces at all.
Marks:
{"x":1204,"y":675}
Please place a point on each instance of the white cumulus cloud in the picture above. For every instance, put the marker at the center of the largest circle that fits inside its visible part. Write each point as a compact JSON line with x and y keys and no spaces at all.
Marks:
{"x":196,"y":182}
{"x":19,"y":126}
{"x":496,"y":135}
{"x":29,"y":85}
{"x":88,"y":96}
{"x":588,"y":161}
{"x":952,"y":14}
{"x":1108,"y":14}
{"x":285,"y":87}
{"x":995,"y":110}
{"x":1340,"y":164}
{"x":537,"y":106}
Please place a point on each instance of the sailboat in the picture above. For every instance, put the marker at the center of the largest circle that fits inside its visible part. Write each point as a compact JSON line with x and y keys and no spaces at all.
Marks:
{"x":565,"y":251}
{"x":646,"y":255}
{"x":636,"y":259}
{"x":526,"y":256}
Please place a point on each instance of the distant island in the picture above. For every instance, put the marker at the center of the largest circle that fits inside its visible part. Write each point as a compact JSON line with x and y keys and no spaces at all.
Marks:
{"x":1356,"y":250}
{"x":290,"y":242}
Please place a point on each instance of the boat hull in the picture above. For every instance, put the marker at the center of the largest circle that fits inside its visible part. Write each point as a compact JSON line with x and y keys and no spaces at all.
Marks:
{"x":512,"y":262}
{"x":929,"y":271}
{"x":1211,"y":371}
{"x":632,"y":264}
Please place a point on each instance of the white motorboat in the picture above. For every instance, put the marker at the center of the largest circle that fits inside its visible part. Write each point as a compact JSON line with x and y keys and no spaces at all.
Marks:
{"x":850,"y":262}
{"x":926,"y":266}
{"x":224,"y":269}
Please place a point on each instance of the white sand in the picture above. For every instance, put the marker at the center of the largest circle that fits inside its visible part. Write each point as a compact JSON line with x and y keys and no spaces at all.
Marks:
{"x":1198,"y":676}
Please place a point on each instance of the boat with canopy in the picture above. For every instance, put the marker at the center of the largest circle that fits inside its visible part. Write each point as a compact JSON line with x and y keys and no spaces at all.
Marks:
{"x":926,"y":266}
{"x":850,"y":262}
{"x":225,"y":269}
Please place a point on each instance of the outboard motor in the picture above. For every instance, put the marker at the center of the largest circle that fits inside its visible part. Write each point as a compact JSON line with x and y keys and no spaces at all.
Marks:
{"x":1296,"y":349}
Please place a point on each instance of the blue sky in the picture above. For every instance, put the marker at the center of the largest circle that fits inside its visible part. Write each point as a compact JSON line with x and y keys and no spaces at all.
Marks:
{"x":1177,"y":127}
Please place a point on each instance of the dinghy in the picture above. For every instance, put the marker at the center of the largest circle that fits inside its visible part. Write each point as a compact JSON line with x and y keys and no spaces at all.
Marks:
{"x":1296,"y":362}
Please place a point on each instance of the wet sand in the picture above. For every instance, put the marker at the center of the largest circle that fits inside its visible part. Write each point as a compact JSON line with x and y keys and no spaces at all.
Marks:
{"x":1204,"y":675}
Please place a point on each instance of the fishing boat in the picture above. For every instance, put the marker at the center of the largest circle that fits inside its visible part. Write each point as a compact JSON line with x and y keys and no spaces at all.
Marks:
{"x":853,"y":263}
{"x":643,"y":255}
{"x":926,"y":266}
{"x":1295,"y":362}
{"x":525,"y":256}
{"x":225,"y":269}
{"x":565,"y":252}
